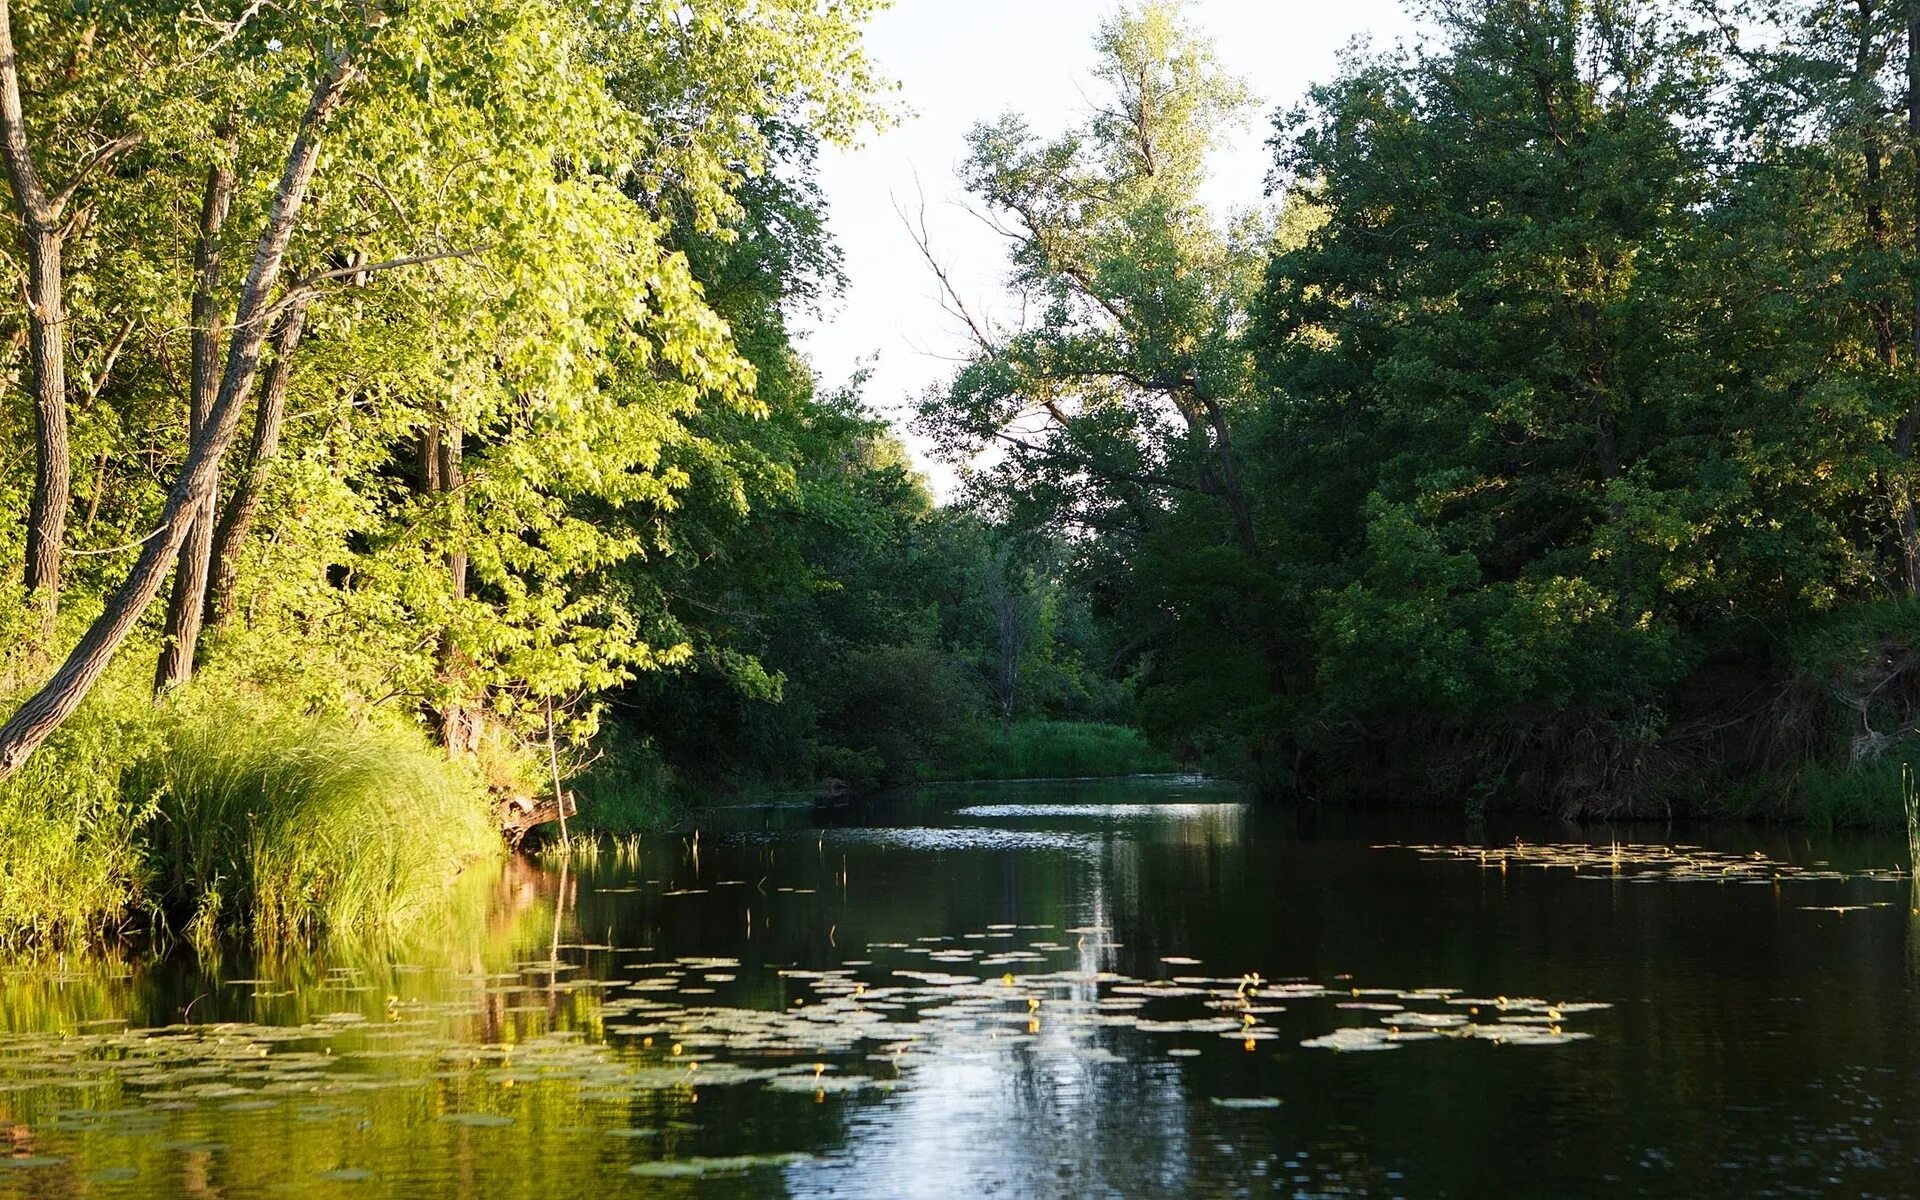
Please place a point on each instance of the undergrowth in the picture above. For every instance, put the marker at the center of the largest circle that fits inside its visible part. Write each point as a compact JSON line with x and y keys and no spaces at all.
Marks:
{"x":1051,"y":750}
{"x":1871,"y":796}
{"x":628,"y":789}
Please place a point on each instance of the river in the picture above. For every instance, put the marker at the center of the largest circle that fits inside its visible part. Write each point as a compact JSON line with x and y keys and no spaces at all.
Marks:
{"x":1134,"y":988}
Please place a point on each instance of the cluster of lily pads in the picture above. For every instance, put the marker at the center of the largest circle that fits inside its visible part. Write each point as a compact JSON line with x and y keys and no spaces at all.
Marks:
{"x":1641,"y":862}
{"x":666,"y":1024}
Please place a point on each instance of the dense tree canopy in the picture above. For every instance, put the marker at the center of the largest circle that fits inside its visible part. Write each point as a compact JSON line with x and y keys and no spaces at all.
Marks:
{"x":1548,"y":428}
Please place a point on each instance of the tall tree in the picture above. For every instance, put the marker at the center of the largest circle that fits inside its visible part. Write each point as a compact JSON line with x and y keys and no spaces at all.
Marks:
{"x":1117,"y":407}
{"x":191,"y":571}
{"x":46,"y":223}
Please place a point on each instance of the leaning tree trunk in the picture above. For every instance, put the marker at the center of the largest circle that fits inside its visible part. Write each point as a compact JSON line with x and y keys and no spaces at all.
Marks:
{"x":237,"y":518}
{"x":40,"y":218}
{"x":185,"y":606}
{"x":34,"y":721}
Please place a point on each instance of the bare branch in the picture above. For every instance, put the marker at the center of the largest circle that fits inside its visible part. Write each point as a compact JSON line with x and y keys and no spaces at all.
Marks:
{"x":99,"y":382}
{"x":99,"y":157}
{"x":303,"y":290}
{"x":950,"y":295}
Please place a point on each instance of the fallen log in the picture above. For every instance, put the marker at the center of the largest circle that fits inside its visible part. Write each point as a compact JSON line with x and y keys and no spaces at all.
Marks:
{"x":521,"y":815}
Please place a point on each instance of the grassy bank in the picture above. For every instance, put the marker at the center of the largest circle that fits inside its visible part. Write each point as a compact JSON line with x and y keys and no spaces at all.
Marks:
{"x":211,"y":816}
{"x":1869,"y":797}
{"x":1049,"y":750}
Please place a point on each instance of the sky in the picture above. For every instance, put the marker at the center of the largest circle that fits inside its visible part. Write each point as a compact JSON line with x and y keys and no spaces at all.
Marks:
{"x":959,"y":62}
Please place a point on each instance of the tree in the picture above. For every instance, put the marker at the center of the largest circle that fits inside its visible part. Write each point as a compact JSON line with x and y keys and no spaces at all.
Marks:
{"x":45,"y":710}
{"x":1115,"y":410}
{"x":46,"y":224}
{"x":484,"y":266}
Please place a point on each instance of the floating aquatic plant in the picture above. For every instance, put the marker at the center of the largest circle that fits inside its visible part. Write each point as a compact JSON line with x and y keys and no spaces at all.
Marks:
{"x":673,"y":1168}
{"x":1643,"y":862}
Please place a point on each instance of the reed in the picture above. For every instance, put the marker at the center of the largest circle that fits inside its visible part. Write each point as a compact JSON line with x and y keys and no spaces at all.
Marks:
{"x":1910,"y":801}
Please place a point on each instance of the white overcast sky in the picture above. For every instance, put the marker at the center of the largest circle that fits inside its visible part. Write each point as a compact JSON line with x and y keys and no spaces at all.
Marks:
{"x":959,"y":62}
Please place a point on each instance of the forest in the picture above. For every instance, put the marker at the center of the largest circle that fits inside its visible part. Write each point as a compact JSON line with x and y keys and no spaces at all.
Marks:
{"x":405,"y":419}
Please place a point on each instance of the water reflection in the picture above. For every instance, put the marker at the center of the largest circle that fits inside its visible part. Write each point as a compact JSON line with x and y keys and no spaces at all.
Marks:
{"x":1137,"y":988}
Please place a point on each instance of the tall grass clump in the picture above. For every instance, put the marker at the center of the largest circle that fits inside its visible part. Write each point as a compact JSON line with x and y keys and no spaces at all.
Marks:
{"x":1052,"y":750}
{"x":288,"y":825}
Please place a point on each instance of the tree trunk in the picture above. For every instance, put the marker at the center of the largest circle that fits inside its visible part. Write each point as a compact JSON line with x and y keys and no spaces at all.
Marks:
{"x":237,"y":519}
{"x":185,"y":606}
{"x":34,"y":721}
{"x":1232,"y":492}
{"x":443,"y":453}
{"x":52,"y":481}
{"x":1866,"y":67}
{"x":46,"y":325}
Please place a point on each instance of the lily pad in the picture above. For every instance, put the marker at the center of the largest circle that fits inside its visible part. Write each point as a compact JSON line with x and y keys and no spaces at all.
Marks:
{"x":676,"y":1168}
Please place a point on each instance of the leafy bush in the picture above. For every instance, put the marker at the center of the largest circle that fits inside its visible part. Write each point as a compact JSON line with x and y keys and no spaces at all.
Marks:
{"x":891,"y":708}
{"x":71,"y":865}
{"x":629,"y":789}
{"x":1868,"y":796}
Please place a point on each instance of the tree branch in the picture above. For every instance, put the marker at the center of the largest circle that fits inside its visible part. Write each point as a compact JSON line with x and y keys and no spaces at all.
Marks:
{"x":100,"y":157}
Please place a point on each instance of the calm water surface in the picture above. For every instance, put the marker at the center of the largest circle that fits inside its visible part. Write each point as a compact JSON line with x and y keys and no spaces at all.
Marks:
{"x":1132,"y":989}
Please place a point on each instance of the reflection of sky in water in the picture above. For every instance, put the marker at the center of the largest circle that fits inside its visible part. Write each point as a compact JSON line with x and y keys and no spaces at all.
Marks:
{"x":929,"y":838}
{"x":1032,"y":1117}
{"x":1040,"y":1122}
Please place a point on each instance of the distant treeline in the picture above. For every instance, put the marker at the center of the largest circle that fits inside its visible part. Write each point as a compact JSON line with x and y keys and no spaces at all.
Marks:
{"x":1547,"y":435}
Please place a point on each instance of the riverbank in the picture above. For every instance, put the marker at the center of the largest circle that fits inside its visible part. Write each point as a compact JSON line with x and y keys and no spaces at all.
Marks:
{"x":630,"y":789}
{"x":221,"y":816}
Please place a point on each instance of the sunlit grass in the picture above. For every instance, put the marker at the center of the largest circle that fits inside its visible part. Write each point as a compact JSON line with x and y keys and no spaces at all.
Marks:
{"x":71,"y":867}
{"x":286,"y":826}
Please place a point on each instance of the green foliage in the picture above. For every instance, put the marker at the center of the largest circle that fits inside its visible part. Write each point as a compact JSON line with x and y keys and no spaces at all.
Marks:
{"x":1566,"y":403}
{"x":893,"y":707}
{"x":628,"y":789}
{"x":1842,"y":795}
{"x":1050,"y":750}
{"x":72,"y":865}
